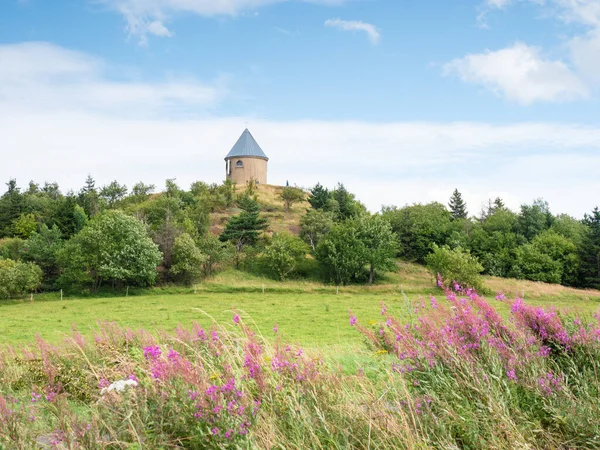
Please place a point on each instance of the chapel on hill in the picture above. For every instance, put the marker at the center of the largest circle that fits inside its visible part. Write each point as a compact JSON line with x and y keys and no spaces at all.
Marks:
{"x":246,"y":161}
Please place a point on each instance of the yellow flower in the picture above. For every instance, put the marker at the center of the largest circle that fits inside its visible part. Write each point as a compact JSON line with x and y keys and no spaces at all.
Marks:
{"x":372,"y":322}
{"x":214,"y":376}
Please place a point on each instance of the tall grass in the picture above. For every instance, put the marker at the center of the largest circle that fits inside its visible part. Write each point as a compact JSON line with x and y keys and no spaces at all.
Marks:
{"x":453,"y":375}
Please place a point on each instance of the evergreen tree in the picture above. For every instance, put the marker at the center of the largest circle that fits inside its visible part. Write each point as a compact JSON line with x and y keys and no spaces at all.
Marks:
{"x":458,"y":208}
{"x":590,"y":251}
{"x":11,"y":207}
{"x":319,"y":197}
{"x":89,"y":198}
{"x":244,"y":229}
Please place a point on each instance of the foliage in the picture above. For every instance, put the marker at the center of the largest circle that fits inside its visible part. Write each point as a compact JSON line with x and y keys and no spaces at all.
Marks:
{"x":458,"y":207}
{"x":314,"y":225}
{"x":534,"y":219}
{"x":187,"y":259}
{"x":42,"y":249}
{"x":418,"y":227}
{"x":11,"y":248}
{"x":346,"y":204}
{"x":341,"y":254}
{"x":284,"y":255}
{"x":291,"y":195}
{"x":457,"y":266}
{"x":114,"y":248}
{"x":590,"y":250}
{"x":244,"y":228}
{"x":17,"y":278}
{"x":24,"y":225}
{"x":319,"y":197}
{"x":379,"y":243}
{"x":216,"y":252}
{"x":113,"y":193}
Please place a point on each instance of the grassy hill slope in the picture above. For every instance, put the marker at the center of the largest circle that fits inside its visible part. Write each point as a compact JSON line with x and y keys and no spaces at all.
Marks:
{"x":271,"y":207}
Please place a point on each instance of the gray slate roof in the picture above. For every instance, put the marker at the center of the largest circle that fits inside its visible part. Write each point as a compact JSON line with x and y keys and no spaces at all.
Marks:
{"x":246,"y":146}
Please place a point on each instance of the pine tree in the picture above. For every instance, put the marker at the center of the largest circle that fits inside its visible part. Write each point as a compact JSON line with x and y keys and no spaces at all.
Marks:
{"x":244,"y":228}
{"x":590,"y":251}
{"x":458,"y":208}
{"x":319,"y":196}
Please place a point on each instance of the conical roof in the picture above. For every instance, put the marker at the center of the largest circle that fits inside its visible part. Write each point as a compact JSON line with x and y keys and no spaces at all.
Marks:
{"x":246,"y":146}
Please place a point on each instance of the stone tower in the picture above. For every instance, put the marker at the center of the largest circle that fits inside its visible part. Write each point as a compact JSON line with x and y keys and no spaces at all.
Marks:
{"x":246,"y":161}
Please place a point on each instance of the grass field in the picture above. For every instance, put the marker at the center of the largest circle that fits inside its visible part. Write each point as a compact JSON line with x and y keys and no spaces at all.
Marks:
{"x":308,"y":313}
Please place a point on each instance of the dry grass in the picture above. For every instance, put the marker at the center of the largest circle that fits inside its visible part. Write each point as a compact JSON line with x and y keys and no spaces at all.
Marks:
{"x":271,"y":207}
{"x":535,"y":289}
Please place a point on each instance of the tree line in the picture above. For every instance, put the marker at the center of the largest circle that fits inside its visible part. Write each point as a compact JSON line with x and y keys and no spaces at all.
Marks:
{"x":112,"y":236}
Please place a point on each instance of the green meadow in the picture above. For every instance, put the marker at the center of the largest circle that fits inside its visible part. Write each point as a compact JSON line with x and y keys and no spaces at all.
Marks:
{"x":307,"y":313}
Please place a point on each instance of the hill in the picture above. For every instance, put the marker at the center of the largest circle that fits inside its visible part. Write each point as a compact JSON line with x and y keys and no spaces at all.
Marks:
{"x":271,"y":207}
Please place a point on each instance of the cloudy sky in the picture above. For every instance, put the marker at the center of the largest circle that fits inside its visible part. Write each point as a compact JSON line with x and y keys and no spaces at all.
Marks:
{"x":402,"y":100}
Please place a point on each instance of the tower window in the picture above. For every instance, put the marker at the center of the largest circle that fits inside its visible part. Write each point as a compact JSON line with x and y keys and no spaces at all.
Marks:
{"x":239,"y":164}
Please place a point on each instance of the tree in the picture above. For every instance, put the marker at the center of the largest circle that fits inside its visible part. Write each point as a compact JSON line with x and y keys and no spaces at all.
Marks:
{"x":216,"y":252}
{"x":561,"y":250}
{"x":314,"y":225}
{"x":11,"y":207}
{"x":379,"y":242}
{"x":458,"y":208}
{"x":89,"y":198}
{"x":113,"y":193}
{"x":418,"y":227}
{"x":347,"y":205}
{"x":590,"y":250}
{"x":244,"y":228}
{"x":532,"y":264}
{"x":456,"y":265}
{"x":17,"y":278}
{"x":113,"y":248}
{"x":319,"y":197}
{"x":42,"y":249}
{"x":142,"y":191}
{"x":284,"y":254}
{"x":187,"y":259}
{"x":24,"y":225}
{"x":291,"y":195}
{"x":534,"y":219}
{"x":341,"y":254}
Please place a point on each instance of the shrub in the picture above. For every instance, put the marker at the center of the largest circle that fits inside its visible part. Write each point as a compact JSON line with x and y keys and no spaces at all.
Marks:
{"x":455,"y":265}
{"x":17,"y":278}
{"x":284,"y":255}
{"x":187,"y":259}
{"x":114,"y":248}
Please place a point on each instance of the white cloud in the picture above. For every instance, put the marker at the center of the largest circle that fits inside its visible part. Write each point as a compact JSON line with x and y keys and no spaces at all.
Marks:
{"x":356,"y":25}
{"x":520,"y":73}
{"x":42,"y":76}
{"x":62,"y":117}
{"x":145,"y":17}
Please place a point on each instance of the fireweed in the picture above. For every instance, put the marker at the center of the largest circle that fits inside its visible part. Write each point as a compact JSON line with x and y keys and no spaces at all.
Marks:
{"x":456,"y":375}
{"x":463,"y":360}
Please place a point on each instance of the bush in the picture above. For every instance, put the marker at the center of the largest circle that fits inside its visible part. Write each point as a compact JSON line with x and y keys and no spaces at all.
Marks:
{"x":455,"y":265}
{"x":284,"y":255}
{"x":17,"y":278}
{"x":187,"y":259}
{"x":113,"y":247}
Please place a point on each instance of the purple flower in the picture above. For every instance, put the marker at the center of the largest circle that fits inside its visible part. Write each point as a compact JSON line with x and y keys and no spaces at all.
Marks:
{"x":275,"y":329}
{"x":215,"y":431}
{"x":236,"y":319}
{"x":152,"y":352}
{"x":353,"y":321}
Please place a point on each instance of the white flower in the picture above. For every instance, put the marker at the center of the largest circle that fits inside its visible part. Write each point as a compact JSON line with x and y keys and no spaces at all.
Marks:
{"x":119,"y":386}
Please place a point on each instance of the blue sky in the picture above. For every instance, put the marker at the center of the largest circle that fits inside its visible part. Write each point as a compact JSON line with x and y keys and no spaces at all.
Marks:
{"x":401,"y":100}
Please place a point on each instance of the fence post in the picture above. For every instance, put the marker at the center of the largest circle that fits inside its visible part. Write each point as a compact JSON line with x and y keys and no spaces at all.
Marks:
{"x":61,"y":294}
{"x":263,"y":287}
{"x":127,"y":292}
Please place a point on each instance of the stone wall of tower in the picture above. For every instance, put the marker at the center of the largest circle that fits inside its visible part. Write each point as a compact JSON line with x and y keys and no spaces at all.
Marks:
{"x":242,"y":169}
